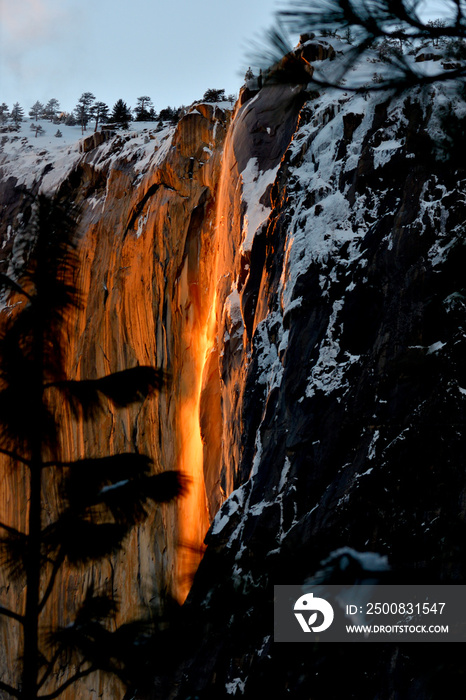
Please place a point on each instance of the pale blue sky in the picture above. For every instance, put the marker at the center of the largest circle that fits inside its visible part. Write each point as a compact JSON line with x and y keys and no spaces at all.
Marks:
{"x":171,"y":50}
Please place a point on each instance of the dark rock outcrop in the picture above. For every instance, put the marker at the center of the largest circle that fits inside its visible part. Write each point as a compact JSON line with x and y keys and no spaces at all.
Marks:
{"x":94,"y":140}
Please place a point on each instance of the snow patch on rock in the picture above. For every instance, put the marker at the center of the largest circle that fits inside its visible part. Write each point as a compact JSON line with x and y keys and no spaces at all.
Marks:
{"x":255,"y":184}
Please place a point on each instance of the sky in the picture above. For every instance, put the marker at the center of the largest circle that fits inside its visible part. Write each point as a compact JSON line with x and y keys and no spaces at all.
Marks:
{"x":170,"y":50}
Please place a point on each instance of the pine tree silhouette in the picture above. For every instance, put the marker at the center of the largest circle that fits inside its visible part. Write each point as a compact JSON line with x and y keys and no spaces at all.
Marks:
{"x":102,"y":498}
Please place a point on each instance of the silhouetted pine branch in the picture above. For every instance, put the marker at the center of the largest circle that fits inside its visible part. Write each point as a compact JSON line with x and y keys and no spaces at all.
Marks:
{"x":98,"y":520}
{"x":86,"y":477}
{"x":121,"y":388}
{"x":15,"y":457}
{"x":87,"y":638}
{"x":166,"y":486}
{"x":48,"y":278}
{"x":121,"y":484}
{"x":21,"y":421}
{"x":12,"y":530}
{"x":48,"y":668}
{"x":85,"y":539}
{"x":53,"y":264}
{"x":95,"y":607}
{"x":69,"y":682}
{"x":13,"y":552}
{"x":10,"y":284}
{"x":10,"y":613}
{"x":127,"y":500}
{"x":114,"y":650}
{"x":368,"y":22}
{"x":14,"y":692}
{"x":56,"y":566}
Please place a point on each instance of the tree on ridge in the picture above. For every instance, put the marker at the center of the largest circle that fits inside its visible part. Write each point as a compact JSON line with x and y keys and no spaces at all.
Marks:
{"x":144,"y":109}
{"x":83,"y":109}
{"x":51,"y":109}
{"x":99,"y":112}
{"x":36,"y":110}
{"x":121,"y":114}
{"x":17,"y":114}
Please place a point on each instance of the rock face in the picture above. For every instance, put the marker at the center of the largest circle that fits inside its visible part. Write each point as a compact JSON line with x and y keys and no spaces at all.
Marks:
{"x":341,"y":350}
{"x":98,"y":138}
{"x":300,"y":274}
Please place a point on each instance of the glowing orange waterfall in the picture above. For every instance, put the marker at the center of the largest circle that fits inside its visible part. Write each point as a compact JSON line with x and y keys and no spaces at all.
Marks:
{"x":193,"y":513}
{"x":200,"y":295}
{"x":201,"y":292}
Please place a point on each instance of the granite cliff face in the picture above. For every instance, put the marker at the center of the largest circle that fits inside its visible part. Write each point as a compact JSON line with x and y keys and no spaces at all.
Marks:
{"x":299,"y":271}
{"x":342,"y":386}
{"x":146,"y":246}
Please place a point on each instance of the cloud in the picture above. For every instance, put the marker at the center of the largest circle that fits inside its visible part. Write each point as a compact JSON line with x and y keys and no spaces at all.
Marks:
{"x":35,"y":35}
{"x":29,"y":21}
